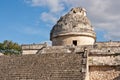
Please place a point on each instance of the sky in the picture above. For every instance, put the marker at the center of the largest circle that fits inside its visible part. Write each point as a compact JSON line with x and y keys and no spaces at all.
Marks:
{"x":30,"y":21}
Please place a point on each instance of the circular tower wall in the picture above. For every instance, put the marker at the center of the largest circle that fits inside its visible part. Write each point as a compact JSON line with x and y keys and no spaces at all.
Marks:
{"x":73,"y":29}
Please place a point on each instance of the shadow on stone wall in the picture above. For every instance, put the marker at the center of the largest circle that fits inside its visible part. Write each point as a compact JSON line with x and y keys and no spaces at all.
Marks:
{"x":117,"y":78}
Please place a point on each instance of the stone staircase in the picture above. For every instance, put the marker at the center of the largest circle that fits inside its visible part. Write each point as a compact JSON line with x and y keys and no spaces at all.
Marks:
{"x":52,"y":66}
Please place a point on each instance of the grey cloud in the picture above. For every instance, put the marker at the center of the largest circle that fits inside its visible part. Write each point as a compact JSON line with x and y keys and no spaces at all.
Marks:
{"x":105,"y":15}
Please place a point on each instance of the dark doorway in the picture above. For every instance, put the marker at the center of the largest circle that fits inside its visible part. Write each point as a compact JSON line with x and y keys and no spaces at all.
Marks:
{"x":75,"y":42}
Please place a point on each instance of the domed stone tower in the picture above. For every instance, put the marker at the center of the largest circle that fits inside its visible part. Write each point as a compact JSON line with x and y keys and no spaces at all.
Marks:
{"x":74,"y":28}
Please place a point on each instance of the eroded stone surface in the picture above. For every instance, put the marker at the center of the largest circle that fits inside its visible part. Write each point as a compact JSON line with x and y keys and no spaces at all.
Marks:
{"x":104,"y":73}
{"x":73,"y":26}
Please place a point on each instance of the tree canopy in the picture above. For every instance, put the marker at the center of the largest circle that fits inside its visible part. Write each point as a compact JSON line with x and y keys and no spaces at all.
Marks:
{"x":9,"y":47}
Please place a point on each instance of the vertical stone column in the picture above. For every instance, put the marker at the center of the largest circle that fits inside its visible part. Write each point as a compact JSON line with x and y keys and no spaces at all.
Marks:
{"x":85,"y":67}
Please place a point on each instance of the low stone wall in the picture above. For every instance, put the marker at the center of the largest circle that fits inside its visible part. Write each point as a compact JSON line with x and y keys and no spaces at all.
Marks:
{"x":33,"y":46}
{"x":105,"y":50}
{"x":104,"y":72}
{"x":52,"y":66}
{"x":26,"y":52}
{"x":60,"y":49}
{"x":104,"y":60}
{"x":108,"y":44}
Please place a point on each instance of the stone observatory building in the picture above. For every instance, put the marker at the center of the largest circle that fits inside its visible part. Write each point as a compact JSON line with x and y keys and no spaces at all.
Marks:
{"x":74,"y":55}
{"x":73,"y":29}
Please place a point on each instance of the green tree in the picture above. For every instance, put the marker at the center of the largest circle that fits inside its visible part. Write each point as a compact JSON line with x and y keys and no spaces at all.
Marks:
{"x":1,"y":46}
{"x":9,"y":47}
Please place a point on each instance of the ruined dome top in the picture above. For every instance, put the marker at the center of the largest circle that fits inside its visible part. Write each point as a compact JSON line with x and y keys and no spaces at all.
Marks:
{"x":74,"y":22}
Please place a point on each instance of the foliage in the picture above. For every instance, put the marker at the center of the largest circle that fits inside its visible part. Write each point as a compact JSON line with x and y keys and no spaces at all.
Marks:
{"x":9,"y":47}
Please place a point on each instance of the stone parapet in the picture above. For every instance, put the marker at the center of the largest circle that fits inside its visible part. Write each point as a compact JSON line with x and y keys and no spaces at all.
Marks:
{"x":108,"y":44}
{"x":33,"y":46}
{"x":105,"y":51}
{"x":60,"y":49}
{"x":104,"y":60}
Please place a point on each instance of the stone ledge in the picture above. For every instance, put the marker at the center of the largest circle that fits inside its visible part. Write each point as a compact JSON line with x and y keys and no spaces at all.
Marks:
{"x":104,"y":60}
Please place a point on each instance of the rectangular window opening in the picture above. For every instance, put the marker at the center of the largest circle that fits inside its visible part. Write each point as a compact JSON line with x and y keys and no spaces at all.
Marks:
{"x":75,"y":42}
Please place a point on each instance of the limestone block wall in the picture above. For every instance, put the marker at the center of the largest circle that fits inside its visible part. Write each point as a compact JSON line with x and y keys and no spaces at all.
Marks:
{"x":68,"y":40}
{"x":104,"y":60}
{"x":42,"y":67}
{"x":61,"y":49}
{"x":32,"y":48}
{"x":54,"y":49}
{"x":109,"y":43}
{"x":104,"y":63}
{"x":105,"y":50}
{"x":29,"y":52}
{"x":104,"y":56}
{"x":104,"y":72}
